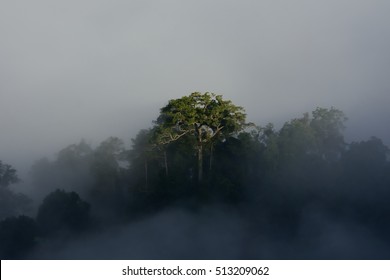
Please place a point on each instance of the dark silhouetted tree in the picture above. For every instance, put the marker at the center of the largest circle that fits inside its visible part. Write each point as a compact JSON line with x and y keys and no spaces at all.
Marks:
{"x":11,"y":203}
{"x":7,"y":175}
{"x":106,"y":164}
{"x":63,"y":210}
{"x":17,"y":237}
{"x":328,"y":127}
{"x":70,"y":171}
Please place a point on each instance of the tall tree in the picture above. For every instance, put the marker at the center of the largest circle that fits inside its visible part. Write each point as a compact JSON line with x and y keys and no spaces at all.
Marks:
{"x":69,"y":171}
{"x":205,"y":117}
{"x":11,"y":203}
{"x":142,"y":152}
{"x":7,"y":175}
{"x":106,"y":164}
{"x":328,"y":127}
{"x":17,"y":237}
{"x":61,"y":210}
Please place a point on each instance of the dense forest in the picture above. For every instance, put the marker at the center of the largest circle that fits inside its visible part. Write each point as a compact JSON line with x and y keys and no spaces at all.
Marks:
{"x":298,"y":192}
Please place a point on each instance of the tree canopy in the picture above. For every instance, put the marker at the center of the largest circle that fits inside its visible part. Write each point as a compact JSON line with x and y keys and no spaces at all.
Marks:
{"x":62,"y":210}
{"x":204,"y":117}
{"x":7,"y":175}
{"x":200,"y":153}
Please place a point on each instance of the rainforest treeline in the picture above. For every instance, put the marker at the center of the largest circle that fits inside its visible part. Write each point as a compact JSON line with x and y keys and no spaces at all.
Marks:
{"x":202,"y":151}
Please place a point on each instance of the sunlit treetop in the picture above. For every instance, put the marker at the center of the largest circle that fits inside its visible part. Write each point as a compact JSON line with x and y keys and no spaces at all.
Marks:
{"x":206,"y":116}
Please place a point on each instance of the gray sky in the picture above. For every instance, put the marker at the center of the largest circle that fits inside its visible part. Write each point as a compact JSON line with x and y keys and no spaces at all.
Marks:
{"x":92,"y":68}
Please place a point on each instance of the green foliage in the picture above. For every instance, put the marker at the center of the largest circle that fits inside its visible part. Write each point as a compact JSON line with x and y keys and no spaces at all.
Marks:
{"x":320,"y":135}
{"x":74,"y":155}
{"x":202,"y":136}
{"x":105,"y":164}
{"x":62,"y":210}
{"x":270,"y":153}
{"x":296,"y":139}
{"x":204,"y":117}
{"x":13,"y":204}
{"x":198,"y":152}
{"x":237,"y":164}
{"x":7,"y":175}
{"x":371,"y":154}
{"x":304,"y":154}
{"x":328,"y":127}
{"x":98,"y":173}
{"x":17,"y":237}
{"x":365,"y":163}
{"x":71,"y":171}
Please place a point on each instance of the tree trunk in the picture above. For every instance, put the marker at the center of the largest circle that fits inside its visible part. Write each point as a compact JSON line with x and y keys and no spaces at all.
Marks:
{"x":211,"y":158}
{"x":146,"y":174}
{"x":166,"y":163}
{"x":200,"y":163}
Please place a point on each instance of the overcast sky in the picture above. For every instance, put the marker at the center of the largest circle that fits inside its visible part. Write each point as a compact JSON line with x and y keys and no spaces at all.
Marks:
{"x":92,"y":68}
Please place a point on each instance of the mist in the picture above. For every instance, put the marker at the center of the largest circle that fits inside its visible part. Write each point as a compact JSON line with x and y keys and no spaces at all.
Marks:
{"x":74,"y":74}
{"x":217,"y":233}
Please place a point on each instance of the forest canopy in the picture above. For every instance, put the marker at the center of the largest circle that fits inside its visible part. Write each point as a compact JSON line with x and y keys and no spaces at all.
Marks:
{"x":202,"y":151}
